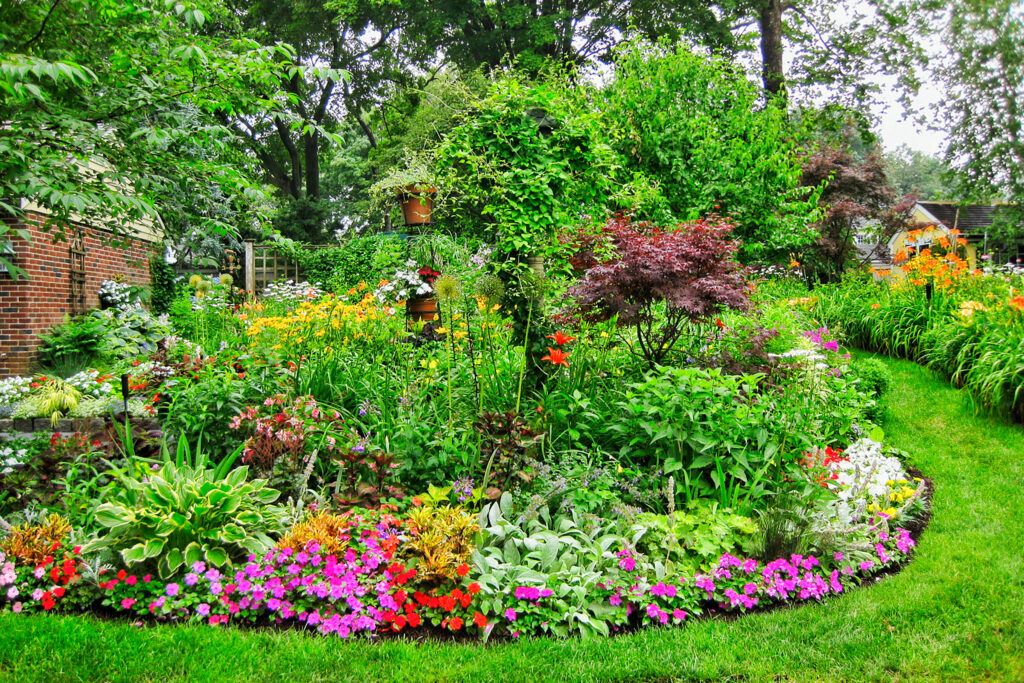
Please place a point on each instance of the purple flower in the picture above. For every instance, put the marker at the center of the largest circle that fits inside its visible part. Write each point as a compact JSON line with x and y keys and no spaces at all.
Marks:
{"x":663,"y":589}
{"x":191,"y":579}
{"x":510,"y":614}
{"x":171,"y":590}
{"x":527,"y":593}
{"x":202,"y":609}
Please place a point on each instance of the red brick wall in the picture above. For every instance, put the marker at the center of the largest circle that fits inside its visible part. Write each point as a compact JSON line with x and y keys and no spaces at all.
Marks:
{"x":32,"y":305}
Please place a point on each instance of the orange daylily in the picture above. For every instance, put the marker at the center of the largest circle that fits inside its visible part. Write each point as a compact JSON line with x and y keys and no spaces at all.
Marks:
{"x":557,"y":357}
{"x":561,"y":338}
{"x":1017,"y":302}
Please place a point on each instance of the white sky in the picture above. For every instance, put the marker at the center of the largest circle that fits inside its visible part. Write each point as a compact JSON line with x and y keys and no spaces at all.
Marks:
{"x":895,"y":129}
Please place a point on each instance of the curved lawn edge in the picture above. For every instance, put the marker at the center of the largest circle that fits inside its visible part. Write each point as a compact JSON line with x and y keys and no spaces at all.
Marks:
{"x":953,"y":613}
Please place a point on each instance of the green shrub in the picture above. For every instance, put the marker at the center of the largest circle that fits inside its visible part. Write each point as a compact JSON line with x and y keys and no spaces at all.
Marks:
{"x":163,"y":284}
{"x":74,"y":345}
{"x":186,"y":512}
{"x":873,"y":375}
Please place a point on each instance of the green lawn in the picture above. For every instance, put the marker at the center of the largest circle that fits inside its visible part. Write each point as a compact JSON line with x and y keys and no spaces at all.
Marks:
{"x":956,"y":613}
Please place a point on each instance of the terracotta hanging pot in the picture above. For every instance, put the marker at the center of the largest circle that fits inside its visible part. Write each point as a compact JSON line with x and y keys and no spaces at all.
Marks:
{"x":421,"y":309}
{"x":417,"y":204}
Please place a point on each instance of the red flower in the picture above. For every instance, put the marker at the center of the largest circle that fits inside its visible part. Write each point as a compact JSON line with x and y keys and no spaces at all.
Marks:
{"x":58,"y":592}
{"x":455,"y":624}
{"x":480,"y":620}
{"x":122,"y":574}
{"x":561,"y":338}
{"x":557,"y":357}
{"x":446,"y":602}
{"x":77,"y":550}
{"x":719,"y":323}
{"x":414,"y":620}
{"x":462,"y":569}
{"x":473,"y":588}
{"x":399,"y":623}
{"x":466,"y":600}
{"x":48,"y":601}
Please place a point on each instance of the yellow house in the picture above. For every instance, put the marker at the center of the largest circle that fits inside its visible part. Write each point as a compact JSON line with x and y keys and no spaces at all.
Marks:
{"x":942,"y":223}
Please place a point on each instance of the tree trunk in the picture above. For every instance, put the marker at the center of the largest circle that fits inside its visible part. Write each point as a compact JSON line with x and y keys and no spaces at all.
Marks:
{"x":772,"y":72}
{"x":311,"y":143}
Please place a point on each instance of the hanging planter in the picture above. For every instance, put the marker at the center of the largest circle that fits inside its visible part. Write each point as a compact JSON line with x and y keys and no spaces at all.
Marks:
{"x":417,"y":204}
{"x":421,"y":309}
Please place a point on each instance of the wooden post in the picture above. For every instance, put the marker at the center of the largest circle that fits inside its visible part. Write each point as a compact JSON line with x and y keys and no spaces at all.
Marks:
{"x":250,"y":267}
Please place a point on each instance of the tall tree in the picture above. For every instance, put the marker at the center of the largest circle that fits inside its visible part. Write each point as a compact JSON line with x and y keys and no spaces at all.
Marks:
{"x":349,"y":57}
{"x":916,"y":173}
{"x":816,"y":49}
{"x":984,"y":106}
{"x":108,"y":112}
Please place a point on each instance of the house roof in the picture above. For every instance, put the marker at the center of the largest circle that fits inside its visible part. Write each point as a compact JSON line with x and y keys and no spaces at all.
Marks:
{"x":967,"y":218}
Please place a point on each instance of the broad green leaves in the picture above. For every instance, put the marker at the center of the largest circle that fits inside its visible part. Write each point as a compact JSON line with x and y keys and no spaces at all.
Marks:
{"x":184,"y":513}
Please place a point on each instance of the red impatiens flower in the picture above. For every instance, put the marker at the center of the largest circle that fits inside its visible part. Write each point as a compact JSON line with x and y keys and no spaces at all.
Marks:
{"x":557,"y":357}
{"x":480,"y":620}
{"x":473,"y":588}
{"x":561,"y":338}
{"x":462,"y":569}
{"x":455,"y":624}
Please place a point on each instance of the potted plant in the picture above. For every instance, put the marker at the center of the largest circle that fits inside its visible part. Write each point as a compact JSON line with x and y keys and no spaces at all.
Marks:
{"x":415,"y":188}
{"x":413,"y":284}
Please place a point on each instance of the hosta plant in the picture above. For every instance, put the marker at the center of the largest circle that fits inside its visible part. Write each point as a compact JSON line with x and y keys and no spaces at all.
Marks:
{"x":186,"y":512}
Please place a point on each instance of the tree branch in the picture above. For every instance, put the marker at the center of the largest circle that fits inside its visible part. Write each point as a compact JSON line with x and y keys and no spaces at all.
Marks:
{"x":42,"y":26}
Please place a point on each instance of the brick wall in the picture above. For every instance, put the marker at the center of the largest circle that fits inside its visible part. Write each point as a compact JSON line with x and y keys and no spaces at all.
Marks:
{"x":32,"y":305}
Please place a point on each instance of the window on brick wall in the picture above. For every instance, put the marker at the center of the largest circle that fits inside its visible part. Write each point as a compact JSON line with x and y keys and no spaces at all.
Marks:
{"x":7,"y":252}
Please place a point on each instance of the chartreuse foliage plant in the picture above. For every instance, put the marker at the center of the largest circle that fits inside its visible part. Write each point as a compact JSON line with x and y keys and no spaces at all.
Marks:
{"x":186,"y":511}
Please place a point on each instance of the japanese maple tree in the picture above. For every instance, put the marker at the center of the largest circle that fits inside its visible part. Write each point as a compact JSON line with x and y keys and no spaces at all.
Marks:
{"x":660,"y":279}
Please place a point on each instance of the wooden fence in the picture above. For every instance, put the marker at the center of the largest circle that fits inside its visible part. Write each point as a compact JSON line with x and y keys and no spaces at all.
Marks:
{"x":256,"y":267}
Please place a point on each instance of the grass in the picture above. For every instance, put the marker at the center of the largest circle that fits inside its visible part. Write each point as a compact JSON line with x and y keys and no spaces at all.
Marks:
{"x":955,"y":613}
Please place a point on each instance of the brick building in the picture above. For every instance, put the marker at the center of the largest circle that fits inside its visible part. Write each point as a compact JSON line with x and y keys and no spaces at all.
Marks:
{"x":63,"y":279}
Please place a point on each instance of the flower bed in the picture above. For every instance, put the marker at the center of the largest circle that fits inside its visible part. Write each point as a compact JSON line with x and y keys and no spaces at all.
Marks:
{"x":526,"y":464}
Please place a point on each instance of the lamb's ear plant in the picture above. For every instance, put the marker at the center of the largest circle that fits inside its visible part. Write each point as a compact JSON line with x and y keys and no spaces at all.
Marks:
{"x":186,"y":511}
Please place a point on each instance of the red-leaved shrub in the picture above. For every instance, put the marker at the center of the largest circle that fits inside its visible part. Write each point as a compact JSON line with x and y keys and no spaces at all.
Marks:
{"x":689,"y":268}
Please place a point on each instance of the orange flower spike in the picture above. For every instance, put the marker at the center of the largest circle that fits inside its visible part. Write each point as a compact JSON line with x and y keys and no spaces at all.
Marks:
{"x":557,"y":357}
{"x":561,"y":338}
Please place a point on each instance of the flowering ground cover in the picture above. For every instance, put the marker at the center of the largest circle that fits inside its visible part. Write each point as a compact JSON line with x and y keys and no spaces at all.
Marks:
{"x":952,"y":613}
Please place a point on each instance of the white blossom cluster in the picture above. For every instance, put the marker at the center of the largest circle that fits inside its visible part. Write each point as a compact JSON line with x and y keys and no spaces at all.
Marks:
{"x":864,"y":477}
{"x":89,"y":383}
{"x":405,"y":284}
{"x":13,"y":389}
{"x":11,"y":458}
{"x":118,"y":295}
{"x":292,"y":292}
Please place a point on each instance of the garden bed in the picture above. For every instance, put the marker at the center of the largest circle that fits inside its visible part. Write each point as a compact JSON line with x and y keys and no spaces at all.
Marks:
{"x":317,"y":471}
